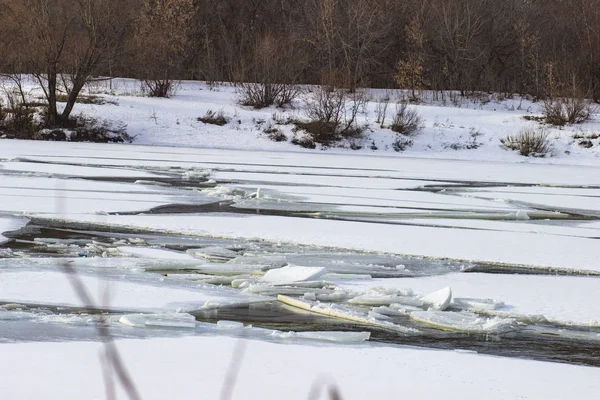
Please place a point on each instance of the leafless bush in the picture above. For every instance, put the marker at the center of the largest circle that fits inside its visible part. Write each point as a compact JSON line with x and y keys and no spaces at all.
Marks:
{"x":260,"y":95}
{"x":402,"y":143}
{"x":18,"y":119}
{"x":529,"y":142}
{"x":214,"y":118}
{"x":159,"y":87}
{"x":88,"y":129}
{"x":563,"y":111}
{"x":406,"y":121}
{"x":333,"y":114}
{"x":270,"y":76}
{"x":275,"y":134}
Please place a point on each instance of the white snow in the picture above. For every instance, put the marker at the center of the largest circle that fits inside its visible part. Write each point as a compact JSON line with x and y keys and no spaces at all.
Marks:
{"x":167,"y":368}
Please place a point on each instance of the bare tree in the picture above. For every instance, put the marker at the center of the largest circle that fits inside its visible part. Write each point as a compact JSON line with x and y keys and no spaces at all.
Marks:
{"x":64,"y":38}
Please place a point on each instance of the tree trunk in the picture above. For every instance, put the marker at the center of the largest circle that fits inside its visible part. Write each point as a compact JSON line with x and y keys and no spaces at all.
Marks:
{"x":72,"y":99}
{"x":52,"y":117}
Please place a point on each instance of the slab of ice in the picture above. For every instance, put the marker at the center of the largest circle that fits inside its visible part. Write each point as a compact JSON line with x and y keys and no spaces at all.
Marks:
{"x":8,"y":224}
{"x":164,"y":320}
{"x":376,"y":299}
{"x":463,"y":321}
{"x":476,"y":304}
{"x":128,"y":292}
{"x":337,"y":311}
{"x":263,"y":261}
{"x":562,"y":300}
{"x":329,"y":336}
{"x":438,"y":300}
{"x":224,"y":324}
{"x":291,"y":274}
{"x":213,"y":253}
{"x":155,"y":253}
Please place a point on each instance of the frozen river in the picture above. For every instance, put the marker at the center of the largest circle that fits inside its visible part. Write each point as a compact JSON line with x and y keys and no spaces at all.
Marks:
{"x":124,"y":242}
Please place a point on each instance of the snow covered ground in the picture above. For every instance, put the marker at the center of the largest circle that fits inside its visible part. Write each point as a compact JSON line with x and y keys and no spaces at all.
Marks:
{"x":187,"y":367}
{"x":210,"y":221}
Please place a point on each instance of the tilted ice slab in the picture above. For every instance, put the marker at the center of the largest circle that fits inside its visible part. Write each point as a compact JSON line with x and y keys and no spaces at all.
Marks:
{"x":520,"y":248}
{"x":462,"y":321}
{"x":291,"y":274}
{"x":8,"y":224}
{"x":565,"y":300}
{"x":121,"y":293}
{"x":291,"y":370}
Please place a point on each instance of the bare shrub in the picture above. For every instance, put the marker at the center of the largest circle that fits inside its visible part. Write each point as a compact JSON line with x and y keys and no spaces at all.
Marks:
{"x":563,"y":111}
{"x":402,"y":143}
{"x":332,"y":114}
{"x":269,"y":78}
{"x":406,"y":121}
{"x":18,"y":119}
{"x":275,"y":134}
{"x":529,"y":142}
{"x":159,"y":87}
{"x":261,"y":95}
{"x":88,"y":129}
{"x":214,"y":118}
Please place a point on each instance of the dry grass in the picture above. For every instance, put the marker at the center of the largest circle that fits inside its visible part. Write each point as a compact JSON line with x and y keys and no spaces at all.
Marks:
{"x":529,"y":142}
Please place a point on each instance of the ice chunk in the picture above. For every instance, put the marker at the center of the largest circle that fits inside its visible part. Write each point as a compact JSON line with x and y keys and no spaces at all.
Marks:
{"x":291,"y":274}
{"x":375,"y":299}
{"x":330,"y":336}
{"x":213,"y":253}
{"x":476,"y":304}
{"x":463,"y":321}
{"x":229,"y":324}
{"x":148,"y":252}
{"x":337,"y":311}
{"x":405,"y":309}
{"x":438,"y":300}
{"x":263,"y":262}
{"x":165,"y":320}
{"x":15,"y":315}
{"x":195,"y":174}
{"x":395,"y":312}
{"x":346,"y":277}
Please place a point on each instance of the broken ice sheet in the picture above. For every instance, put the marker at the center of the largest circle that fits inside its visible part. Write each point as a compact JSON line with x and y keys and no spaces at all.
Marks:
{"x":126,"y":292}
{"x":463,"y":321}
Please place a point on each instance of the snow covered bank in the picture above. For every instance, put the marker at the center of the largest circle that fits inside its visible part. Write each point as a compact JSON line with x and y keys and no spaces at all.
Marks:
{"x":193,"y":366}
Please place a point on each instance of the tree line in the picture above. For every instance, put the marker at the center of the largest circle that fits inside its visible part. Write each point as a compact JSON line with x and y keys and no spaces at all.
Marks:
{"x":541,"y":48}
